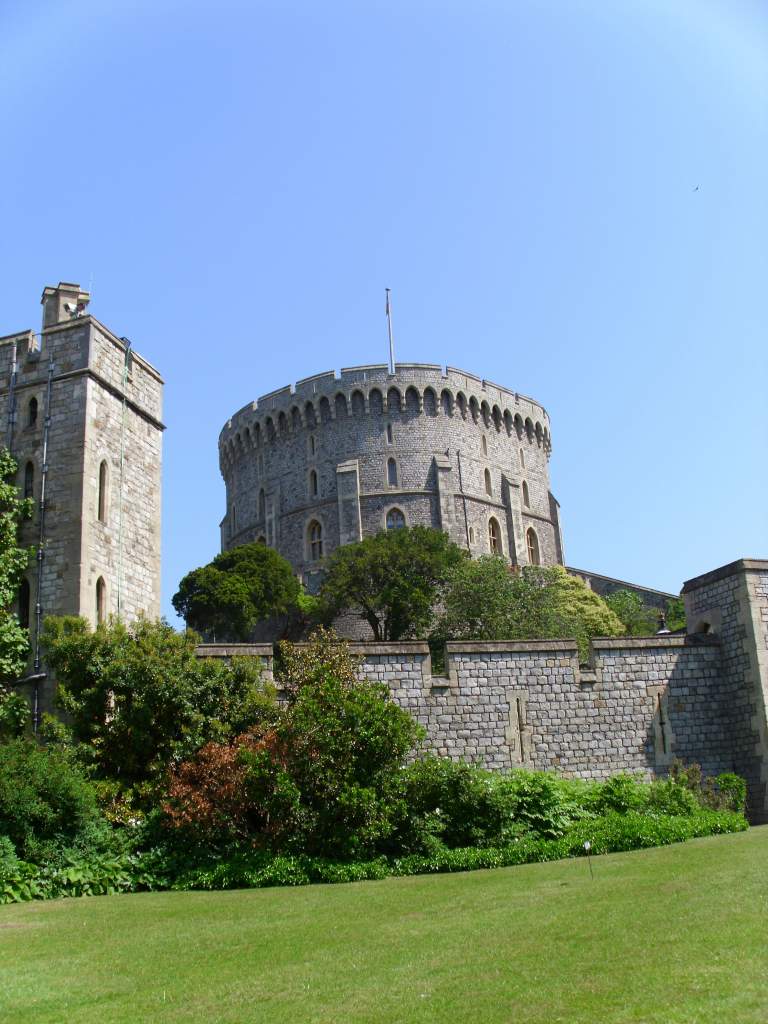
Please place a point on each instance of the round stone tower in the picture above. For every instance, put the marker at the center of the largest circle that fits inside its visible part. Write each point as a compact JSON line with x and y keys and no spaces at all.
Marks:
{"x":337,"y":457}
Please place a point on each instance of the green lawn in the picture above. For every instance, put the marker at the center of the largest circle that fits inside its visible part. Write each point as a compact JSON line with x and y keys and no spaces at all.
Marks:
{"x":675,"y":934}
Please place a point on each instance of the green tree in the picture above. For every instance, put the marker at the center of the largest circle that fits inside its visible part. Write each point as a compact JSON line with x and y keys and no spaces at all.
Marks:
{"x":638,"y":619}
{"x":226,"y":598}
{"x":676,"y":614}
{"x":393,"y":580}
{"x":137,"y":696}
{"x":486,"y":600}
{"x":14,"y":559}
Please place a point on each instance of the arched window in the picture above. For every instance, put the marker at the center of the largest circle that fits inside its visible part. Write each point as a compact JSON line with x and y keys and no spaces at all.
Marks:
{"x":261,"y":539}
{"x":312,"y":444}
{"x":103,"y":492}
{"x":484,"y":444}
{"x":395,"y":519}
{"x":313,"y":483}
{"x":101,"y":600}
{"x":488,"y":485}
{"x":526,"y":495}
{"x":471,"y":535}
{"x":315,"y":538}
{"x":24,"y":598}
{"x":29,"y":480}
{"x":32,"y":412}
{"x":522,"y":459}
{"x":389,"y":433}
{"x":494,"y":537}
{"x":391,"y":473}
{"x":262,"y":509}
{"x":533,"y":547}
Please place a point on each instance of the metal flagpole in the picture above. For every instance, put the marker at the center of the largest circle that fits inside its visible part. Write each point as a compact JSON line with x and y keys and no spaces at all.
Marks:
{"x":389,"y":326}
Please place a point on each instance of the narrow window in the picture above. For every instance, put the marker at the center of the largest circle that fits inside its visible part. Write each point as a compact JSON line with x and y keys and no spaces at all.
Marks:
{"x":522,"y":459}
{"x":494,"y":537}
{"x":101,"y":600}
{"x":526,"y":495}
{"x":488,"y":486}
{"x":484,"y":443}
{"x":103,"y":492}
{"x":471,"y":535}
{"x":312,"y":444}
{"x":533,"y":547}
{"x":391,"y":473}
{"x":389,"y":433}
{"x":24,"y":598}
{"x":32,"y":412}
{"x":395,"y":519}
{"x":313,"y":483}
{"x":29,"y":480}
{"x":315,"y":534}
{"x":233,"y":520}
{"x":262,"y":504}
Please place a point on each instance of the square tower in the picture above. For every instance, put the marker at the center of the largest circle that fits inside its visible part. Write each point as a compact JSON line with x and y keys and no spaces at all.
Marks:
{"x":81,"y":412}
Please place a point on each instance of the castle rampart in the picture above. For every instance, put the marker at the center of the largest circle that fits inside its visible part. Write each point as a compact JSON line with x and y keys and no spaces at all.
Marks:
{"x":336,"y":457}
{"x":639,"y":704}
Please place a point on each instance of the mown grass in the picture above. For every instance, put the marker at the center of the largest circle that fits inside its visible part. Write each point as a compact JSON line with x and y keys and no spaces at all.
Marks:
{"x":673,"y":935}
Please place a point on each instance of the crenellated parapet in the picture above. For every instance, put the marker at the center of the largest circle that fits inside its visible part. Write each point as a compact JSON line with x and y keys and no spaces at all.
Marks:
{"x":363,"y":391}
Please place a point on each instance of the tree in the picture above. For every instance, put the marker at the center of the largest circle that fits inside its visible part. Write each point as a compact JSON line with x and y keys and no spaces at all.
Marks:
{"x":394,"y":579}
{"x":226,"y":598}
{"x":638,"y":619}
{"x":14,"y":559}
{"x":486,"y":600}
{"x":138,"y":697}
{"x":676,"y":614}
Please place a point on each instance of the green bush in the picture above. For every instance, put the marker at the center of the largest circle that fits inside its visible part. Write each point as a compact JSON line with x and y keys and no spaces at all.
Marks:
{"x":46,"y":802}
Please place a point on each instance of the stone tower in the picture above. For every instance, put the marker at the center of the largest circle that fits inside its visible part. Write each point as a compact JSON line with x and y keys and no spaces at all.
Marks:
{"x":82,"y":414}
{"x":338,"y":457}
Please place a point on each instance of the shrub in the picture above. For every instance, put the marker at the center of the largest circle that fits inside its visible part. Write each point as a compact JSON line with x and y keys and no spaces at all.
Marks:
{"x":322,"y":778}
{"x":138,"y":697}
{"x":46,"y":802}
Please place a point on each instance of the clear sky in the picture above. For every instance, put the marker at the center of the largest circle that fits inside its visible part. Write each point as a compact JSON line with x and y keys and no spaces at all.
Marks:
{"x":567,"y":197}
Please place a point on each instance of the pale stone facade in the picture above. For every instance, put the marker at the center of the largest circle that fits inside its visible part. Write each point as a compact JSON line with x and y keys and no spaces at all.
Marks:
{"x":78,"y":391}
{"x":326,"y":461}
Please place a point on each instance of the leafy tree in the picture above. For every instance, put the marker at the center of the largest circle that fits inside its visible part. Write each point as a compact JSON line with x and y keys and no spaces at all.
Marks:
{"x":226,"y":598}
{"x":486,"y":600}
{"x":676,"y":614}
{"x":138,"y":697}
{"x":323,"y":778}
{"x":14,"y":559}
{"x":638,"y":619}
{"x":394,"y":579}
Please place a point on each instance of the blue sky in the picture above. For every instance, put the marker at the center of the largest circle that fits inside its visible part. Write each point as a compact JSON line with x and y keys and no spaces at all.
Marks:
{"x":566,"y":197}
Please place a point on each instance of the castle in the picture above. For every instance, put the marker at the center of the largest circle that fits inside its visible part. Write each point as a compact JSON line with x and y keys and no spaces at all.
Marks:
{"x":83,"y":418}
{"x":334,"y":459}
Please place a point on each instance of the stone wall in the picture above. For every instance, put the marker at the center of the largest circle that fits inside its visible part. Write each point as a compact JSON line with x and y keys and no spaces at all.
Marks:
{"x":318,"y":452}
{"x":641,"y":702}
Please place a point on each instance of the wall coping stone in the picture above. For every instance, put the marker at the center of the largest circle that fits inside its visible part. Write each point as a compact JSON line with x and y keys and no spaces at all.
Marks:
{"x":234,"y":650}
{"x":731,"y":569}
{"x":500,"y":646}
{"x":619,"y":643}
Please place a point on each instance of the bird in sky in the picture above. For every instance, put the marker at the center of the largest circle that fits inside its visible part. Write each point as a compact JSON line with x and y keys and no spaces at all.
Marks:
{"x":696,"y":189}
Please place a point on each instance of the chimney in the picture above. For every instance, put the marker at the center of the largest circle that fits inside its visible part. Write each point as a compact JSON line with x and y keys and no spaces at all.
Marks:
{"x":63,"y":303}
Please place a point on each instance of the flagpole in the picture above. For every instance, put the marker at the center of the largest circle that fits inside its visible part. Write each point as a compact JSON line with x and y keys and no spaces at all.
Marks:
{"x":389,"y":326}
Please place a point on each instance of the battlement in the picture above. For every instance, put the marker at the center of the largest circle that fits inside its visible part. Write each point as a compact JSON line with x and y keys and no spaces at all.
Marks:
{"x":371,"y":390}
